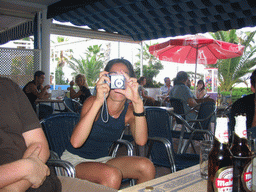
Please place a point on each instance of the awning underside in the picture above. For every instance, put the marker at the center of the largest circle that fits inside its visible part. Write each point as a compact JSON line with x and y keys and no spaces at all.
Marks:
{"x":153,"y":19}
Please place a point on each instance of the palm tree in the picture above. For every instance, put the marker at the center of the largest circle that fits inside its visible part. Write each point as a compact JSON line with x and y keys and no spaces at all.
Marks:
{"x":94,"y":50}
{"x":61,"y":58}
{"x":89,"y":66}
{"x":150,"y":70}
{"x":232,"y":71}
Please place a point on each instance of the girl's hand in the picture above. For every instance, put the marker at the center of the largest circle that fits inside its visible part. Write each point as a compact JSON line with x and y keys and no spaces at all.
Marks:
{"x":102,"y":87}
{"x":71,"y":83}
{"x":131,"y":90}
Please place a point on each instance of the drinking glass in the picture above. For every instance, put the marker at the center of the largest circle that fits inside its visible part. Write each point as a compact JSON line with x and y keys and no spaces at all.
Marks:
{"x":205,"y":148}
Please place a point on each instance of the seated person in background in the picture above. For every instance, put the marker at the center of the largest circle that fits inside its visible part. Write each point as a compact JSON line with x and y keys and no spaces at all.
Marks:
{"x":200,"y":90}
{"x":24,"y":149}
{"x":165,"y":90}
{"x":188,"y":83}
{"x":96,"y":131}
{"x":35,"y":90}
{"x":245,"y":105}
{"x":181,"y":91}
{"x":148,"y":101}
{"x":83,"y":92}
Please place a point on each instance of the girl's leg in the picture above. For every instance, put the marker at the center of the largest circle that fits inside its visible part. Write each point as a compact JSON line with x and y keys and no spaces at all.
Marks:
{"x":139,"y":168}
{"x":100,"y":173}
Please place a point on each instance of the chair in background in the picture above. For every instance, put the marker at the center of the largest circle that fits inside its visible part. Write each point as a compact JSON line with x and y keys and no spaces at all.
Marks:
{"x":177,"y":105}
{"x":58,"y":130}
{"x":160,"y":143}
{"x":179,"y":109}
{"x":72,"y":105}
{"x":198,"y":129}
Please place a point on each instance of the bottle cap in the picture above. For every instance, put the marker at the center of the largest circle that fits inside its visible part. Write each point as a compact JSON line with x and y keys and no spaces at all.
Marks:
{"x":149,"y":188}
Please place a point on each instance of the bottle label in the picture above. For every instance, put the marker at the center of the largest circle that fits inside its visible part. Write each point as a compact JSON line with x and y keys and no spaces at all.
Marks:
{"x":223,"y":180}
{"x":221,"y":132}
{"x":246,"y":177}
{"x":240,"y":128}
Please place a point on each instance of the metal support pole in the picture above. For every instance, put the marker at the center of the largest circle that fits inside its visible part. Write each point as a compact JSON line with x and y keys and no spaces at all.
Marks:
{"x":141,"y":59}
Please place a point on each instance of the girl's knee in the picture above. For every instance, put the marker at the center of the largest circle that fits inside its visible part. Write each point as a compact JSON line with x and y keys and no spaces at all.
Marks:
{"x":112,"y":178}
{"x":147,"y":167}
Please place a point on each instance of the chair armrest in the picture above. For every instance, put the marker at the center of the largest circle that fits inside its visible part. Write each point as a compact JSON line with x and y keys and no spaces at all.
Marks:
{"x":54,"y":155}
{"x":168,"y":147}
{"x":114,"y":147}
{"x":193,"y":109}
{"x":68,"y":167}
{"x":200,"y":120}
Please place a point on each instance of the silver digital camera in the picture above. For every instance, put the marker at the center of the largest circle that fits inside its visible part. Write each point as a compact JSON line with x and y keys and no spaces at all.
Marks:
{"x":117,"y":81}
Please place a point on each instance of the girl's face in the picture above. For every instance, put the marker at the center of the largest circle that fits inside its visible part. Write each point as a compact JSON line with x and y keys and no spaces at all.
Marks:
{"x":144,"y":81}
{"x":80,"y":81}
{"x":116,"y":69}
{"x":200,"y":85}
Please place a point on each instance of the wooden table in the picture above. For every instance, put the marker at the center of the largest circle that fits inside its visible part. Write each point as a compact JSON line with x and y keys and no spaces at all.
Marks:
{"x":51,"y":100}
{"x":186,"y":180}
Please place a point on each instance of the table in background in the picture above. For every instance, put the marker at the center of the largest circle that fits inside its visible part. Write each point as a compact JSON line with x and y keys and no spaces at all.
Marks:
{"x":187,"y":180}
{"x":52,"y":101}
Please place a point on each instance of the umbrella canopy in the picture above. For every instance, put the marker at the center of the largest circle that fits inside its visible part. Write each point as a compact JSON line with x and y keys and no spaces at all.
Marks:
{"x":195,"y":49}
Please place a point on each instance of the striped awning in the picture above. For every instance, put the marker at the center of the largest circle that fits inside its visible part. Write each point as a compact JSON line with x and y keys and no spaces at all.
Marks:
{"x":153,"y":19}
{"x":21,"y":31}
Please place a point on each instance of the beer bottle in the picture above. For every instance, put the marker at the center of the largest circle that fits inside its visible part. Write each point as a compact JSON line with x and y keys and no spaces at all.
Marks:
{"x":220,"y":170}
{"x":241,"y":156}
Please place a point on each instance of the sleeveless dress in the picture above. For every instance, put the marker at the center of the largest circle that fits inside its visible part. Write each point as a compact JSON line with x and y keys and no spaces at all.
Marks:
{"x":101,"y":136}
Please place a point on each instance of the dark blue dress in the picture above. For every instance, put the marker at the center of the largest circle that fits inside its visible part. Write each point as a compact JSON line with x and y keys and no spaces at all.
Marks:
{"x":101,"y":137}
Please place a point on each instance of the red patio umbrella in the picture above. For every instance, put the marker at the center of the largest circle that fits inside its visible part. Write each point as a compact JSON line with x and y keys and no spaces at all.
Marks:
{"x":195,"y":49}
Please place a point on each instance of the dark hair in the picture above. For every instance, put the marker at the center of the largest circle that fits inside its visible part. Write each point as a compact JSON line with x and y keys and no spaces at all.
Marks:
{"x":141,"y":79}
{"x":181,"y":77}
{"x":166,"y":79}
{"x":174,"y":81}
{"x":201,"y":82}
{"x":252,"y":78}
{"x":123,"y":61}
{"x":38,"y":74}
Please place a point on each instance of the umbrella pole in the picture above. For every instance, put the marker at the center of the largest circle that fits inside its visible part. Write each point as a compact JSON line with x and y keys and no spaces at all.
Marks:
{"x":196,"y":67}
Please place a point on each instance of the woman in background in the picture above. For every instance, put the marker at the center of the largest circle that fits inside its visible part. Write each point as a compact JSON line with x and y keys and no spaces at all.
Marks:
{"x":147,"y":100}
{"x":200,"y":90}
{"x":83,"y":92}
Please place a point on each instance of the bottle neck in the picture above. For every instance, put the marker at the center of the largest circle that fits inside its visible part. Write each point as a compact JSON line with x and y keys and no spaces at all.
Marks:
{"x":221,"y":132}
{"x":239,"y":140}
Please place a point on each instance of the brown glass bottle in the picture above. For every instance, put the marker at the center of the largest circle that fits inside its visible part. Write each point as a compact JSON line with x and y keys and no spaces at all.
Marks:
{"x":220,"y":170}
{"x":242,"y":167}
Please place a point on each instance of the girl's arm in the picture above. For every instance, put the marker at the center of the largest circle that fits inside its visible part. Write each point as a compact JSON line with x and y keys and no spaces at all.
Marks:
{"x":89,"y":112}
{"x":138,"y":125}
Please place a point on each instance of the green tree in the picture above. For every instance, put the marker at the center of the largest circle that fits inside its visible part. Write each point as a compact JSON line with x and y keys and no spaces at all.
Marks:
{"x":151,"y":69}
{"x":232,"y":71}
{"x":59,"y":76}
{"x":89,"y":66}
{"x":94,"y":50}
{"x":61,"y":58}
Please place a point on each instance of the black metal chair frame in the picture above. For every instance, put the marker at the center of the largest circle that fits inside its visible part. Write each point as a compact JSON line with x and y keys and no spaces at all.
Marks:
{"x":71,"y":105}
{"x":179,"y":111}
{"x":165,"y":140}
{"x":190,"y":130}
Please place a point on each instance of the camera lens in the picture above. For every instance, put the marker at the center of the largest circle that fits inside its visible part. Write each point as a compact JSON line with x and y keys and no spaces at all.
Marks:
{"x":119,"y":83}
